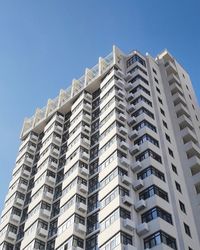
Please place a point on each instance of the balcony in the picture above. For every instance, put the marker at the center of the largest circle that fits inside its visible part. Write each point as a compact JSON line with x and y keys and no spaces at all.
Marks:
{"x":51,"y":180}
{"x":119,"y":73}
{"x":188,"y":135}
{"x":12,"y":236}
{"x":87,"y":117}
{"x":170,"y":68}
{"x":128,"y":77}
{"x":142,"y":229}
{"x":34,"y":137}
{"x":86,"y":129}
{"x":180,"y":110}
{"x":129,"y":224}
{"x":19,"y":202}
{"x":81,"y":228}
{"x":123,"y":131}
{"x":56,"y":140}
{"x":140,"y":205}
{"x":130,"y":108}
{"x":128,"y":86}
{"x":126,"y":180}
{"x":122,"y":117}
{"x":45,"y":213}
{"x":55,"y":152}
{"x":120,"y":93}
{"x":88,"y":96}
{"x":173,"y":78}
{"x":123,"y":145}
{"x":130,"y":97}
{"x":60,"y":118}
{"x":124,"y":161}
{"x":42,"y":232}
{"x":134,"y":149}
{"x":138,"y":184}
{"x":136,"y":166}
{"x":85,"y":142}
{"x":184,"y":121}
{"x":175,"y":88}
{"x":58,"y":129}
{"x":178,"y":98}
{"x":133,"y":134}
{"x":26,"y":173}
{"x":194,"y":163}
{"x":192,"y":150}
{"x":31,"y":149}
{"x":82,"y":207}
{"x":120,"y":83}
{"x":23,"y":187}
{"x":121,"y":105}
{"x":131,"y":120}
{"x":83,"y":188}
{"x":87,"y":106}
{"x":15,"y":218}
{"x":53,"y":165}
{"x":84,"y":171}
{"x":127,"y":200}
{"x":85,"y":156}
{"x":48,"y":196}
{"x":125,"y":247}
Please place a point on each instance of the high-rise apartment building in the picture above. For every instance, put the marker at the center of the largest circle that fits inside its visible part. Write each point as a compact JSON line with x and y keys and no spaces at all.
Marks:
{"x":113,"y":162}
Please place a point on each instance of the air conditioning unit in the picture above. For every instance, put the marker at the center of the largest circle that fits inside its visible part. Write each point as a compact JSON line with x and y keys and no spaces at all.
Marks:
{"x":82,"y":207}
{"x":134,"y":149}
{"x":127,"y":200}
{"x":129,"y":224}
{"x":126,"y":180}
{"x":136,"y":166}
{"x":142,"y":229}
{"x":140,"y":205}
{"x":43,"y":232}
{"x":138,"y":184}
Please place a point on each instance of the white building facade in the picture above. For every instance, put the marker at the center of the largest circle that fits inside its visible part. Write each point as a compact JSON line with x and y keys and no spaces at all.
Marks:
{"x":113,"y":162}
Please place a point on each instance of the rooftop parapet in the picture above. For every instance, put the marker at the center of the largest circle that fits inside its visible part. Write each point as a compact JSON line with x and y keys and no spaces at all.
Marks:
{"x":74,"y":89}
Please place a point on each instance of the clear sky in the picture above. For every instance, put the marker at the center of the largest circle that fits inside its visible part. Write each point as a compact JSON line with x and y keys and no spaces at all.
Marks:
{"x":44,"y":44}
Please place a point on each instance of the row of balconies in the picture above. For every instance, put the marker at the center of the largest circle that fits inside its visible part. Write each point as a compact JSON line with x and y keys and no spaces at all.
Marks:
{"x":84,"y":106}
{"x":31,"y":137}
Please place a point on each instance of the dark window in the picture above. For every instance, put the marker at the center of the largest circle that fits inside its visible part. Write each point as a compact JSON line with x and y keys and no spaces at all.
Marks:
{"x":165,"y":124}
{"x":143,"y":124}
{"x":92,"y":243}
{"x":154,"y":71}
{"x":167,"y":137}
{"x":139,"y":77}
{"x":145,"y":111}
{"x":178,"y":186}
{"x":151,"y":191}
{"x":149,"y":171}
{"x":171,"y":152}
{"x":158,"y":238}
{"x":145,"y":138}
{"x":160,"y":101}
{"x":39,"y":244}
{"x":156,"y":80}
{"x":126,"y":239}
{"x":134,"y":59}
{"x":182,"y":207}
{"x":155,"y":213}
{"x":158,"y":90}
{"x":148,"y":153}
{"x":174,"y":169}
{"x":162,"y":112}
{"x":187,"y":230}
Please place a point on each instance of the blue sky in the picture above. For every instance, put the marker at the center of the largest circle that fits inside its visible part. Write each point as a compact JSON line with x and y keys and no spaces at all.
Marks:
{"x":45,"y":44}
